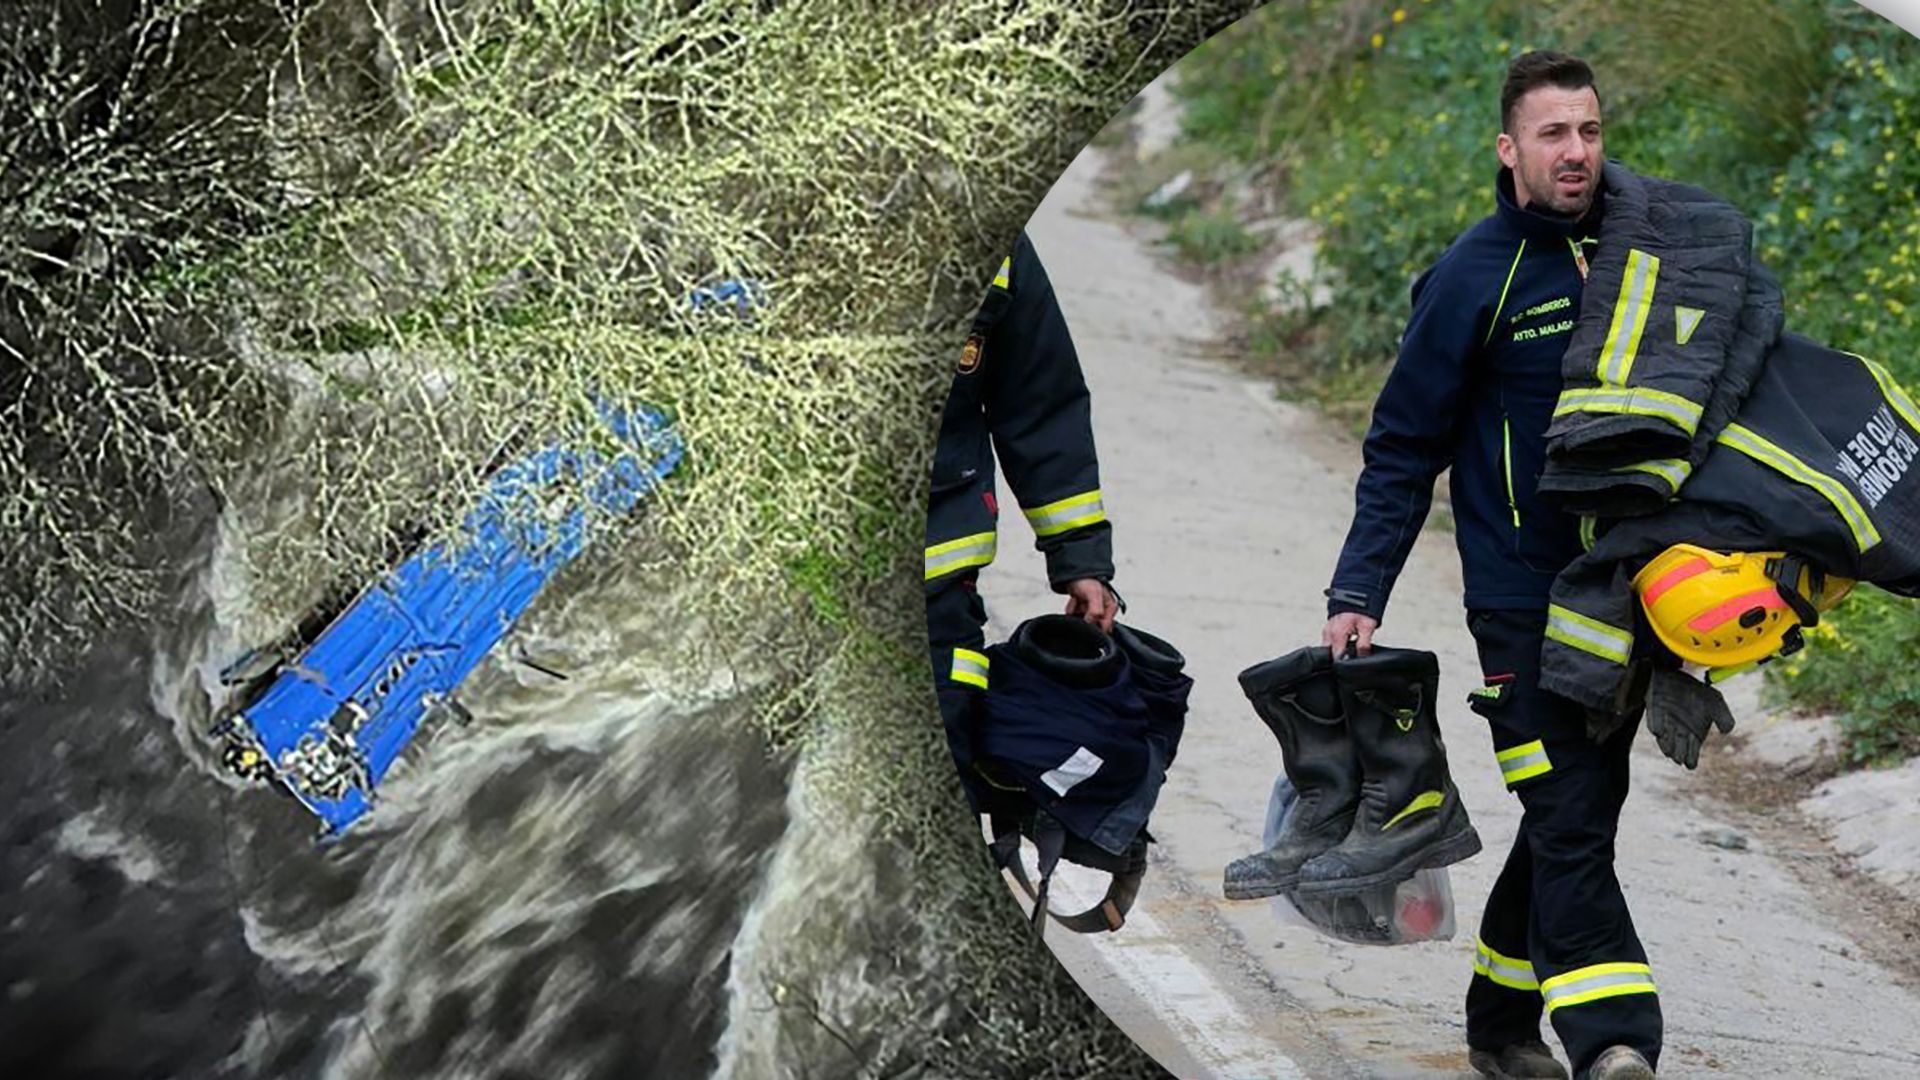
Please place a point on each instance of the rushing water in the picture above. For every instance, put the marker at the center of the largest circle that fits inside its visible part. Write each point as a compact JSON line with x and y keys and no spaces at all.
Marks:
{"x":560,"y":889}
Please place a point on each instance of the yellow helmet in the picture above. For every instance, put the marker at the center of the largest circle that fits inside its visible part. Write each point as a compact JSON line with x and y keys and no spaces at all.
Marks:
{"x":1723,"y":610}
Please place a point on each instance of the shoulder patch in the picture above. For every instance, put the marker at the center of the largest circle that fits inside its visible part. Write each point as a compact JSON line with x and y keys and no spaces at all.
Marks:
{"x":970,"y":355}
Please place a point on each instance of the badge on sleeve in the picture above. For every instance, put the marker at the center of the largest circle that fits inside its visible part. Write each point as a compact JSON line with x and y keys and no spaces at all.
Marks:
{"x":970,"y":356}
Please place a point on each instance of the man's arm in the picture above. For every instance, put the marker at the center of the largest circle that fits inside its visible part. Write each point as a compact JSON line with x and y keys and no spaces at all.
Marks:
{"x":1409,"y":443}
{"x":1041,"y":417}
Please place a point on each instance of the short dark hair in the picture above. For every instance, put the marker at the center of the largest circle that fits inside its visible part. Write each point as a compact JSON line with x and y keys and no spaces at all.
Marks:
{"x":1542,"y":67}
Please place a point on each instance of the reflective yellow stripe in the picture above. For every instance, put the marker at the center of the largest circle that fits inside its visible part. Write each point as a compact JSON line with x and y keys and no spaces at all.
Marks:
{"x":1629,"y":318}
{"x":1892,"y":391}
{"x":1749,"y":442}
{"x":1070,"y":513}
{"x":1506,"y":456}
{"x":1426,"y":800}
{"x":1673,"y":470}
{"x":969,"y":667}
{"x":1586,"y":532}
{"x":975,"y":550}
{"x":1523,"y":762}
{"x":1596,"y":982}
{"x":1001,"y":279}
{"x":1494,"y":323}
{"x":1504,"y":970}
{"x":1639,"y":401}
{"x":1716,"y":676}
{"x":1589,"y":634}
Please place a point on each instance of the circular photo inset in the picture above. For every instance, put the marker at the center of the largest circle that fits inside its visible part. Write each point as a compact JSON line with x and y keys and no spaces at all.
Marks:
{"x":1420,"y":543}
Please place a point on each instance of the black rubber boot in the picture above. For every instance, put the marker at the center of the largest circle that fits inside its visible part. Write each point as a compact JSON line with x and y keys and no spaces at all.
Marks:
{"x":1410,"y":816}
{"x":1299,"y":700}
{"x":1159,"y":673}
{"x":1619,"y":1063}
{"x":1070,"y":651}
{"x":1530,"y":1060}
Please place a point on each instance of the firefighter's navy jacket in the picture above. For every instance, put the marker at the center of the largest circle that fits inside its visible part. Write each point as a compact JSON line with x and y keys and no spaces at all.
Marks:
{"x":1018,"y":390}
{"x":1822,"y":461}
{"x":1474,"y":387}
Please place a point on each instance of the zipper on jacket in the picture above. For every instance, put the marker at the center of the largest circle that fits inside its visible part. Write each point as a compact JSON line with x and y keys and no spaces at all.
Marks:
{"x":1579,"y":256}
{"x":1506,"y":465}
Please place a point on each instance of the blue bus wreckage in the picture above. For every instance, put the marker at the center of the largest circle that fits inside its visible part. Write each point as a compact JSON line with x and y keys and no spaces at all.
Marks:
{"x":328,"y":723}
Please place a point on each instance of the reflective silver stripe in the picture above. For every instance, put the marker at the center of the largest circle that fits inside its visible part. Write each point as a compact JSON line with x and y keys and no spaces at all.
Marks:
{"x":1069,"y":513}
{"x":1891,"y":391}
{"x":1063,"y":777}
{"x":1639,"y":401}
{"x":1673,"y":470}
{"x":1523,"y":762}
{"x":969,"y":667}
{"x":1596,"y":982}
{"x":975,"y":550}
{"x":1750,"y":443}
{"x":1504,"y":970}
{"x":1629,"y":318}
{"x":1588,"y":634}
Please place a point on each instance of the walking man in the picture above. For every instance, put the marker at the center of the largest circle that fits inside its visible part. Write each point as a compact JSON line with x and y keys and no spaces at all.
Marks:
{"x":1018,"y":394}
{"x":1474,"y":388}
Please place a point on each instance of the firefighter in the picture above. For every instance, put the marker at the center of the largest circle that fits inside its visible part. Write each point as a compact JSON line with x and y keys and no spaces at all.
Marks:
{"x":1017,"y":394}
{"x":1474,"y":388}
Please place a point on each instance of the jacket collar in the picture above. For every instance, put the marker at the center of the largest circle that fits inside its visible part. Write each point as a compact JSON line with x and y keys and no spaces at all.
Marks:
{"x":1545,"y":224}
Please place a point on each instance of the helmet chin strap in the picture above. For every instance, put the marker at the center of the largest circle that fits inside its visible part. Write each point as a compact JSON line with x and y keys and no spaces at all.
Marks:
{"x":1785,"y":573}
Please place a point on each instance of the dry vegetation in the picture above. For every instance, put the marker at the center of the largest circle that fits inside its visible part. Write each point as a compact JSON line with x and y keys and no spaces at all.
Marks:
{"x":391,"y":234}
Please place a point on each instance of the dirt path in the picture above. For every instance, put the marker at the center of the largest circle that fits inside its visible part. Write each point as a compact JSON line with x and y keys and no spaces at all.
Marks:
{"x":1229,"y":509}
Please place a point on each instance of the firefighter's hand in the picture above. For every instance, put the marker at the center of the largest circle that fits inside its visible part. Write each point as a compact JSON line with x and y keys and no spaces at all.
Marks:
{"x":1090,"y":599}
{"x":1349,"y":625}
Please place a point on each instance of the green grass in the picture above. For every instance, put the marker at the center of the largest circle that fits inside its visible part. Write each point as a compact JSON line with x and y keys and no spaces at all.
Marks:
{"x":1208,"y":237}
{"x":1860,"y":667}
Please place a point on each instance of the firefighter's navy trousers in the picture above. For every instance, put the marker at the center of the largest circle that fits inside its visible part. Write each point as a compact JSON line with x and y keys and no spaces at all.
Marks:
{"x":956,"y":619}
{"x":1556,"y":936}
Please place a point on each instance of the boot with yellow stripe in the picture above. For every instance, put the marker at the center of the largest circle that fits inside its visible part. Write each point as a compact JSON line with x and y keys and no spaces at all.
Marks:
{"x":1298,"y":699}
{"x":1410,"y":815}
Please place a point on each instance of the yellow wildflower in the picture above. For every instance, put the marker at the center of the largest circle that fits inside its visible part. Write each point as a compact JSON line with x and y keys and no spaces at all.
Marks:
{"x":1399,"y":15}
{"x":1379,"y":40}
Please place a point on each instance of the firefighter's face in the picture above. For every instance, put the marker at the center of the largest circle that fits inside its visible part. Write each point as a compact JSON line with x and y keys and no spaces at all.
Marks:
{"x":1554,"y":148}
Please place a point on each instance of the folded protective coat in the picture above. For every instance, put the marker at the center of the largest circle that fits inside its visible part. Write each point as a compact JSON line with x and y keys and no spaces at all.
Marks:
{"x":1819,"y":461}
{"x":1675,"y":323}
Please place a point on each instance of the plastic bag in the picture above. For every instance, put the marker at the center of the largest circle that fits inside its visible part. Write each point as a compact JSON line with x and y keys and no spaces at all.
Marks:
{"x":1418,"y":909}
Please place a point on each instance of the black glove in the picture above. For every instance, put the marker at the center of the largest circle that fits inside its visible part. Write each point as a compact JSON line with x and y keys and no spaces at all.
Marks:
{"x":1680,"y":709}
